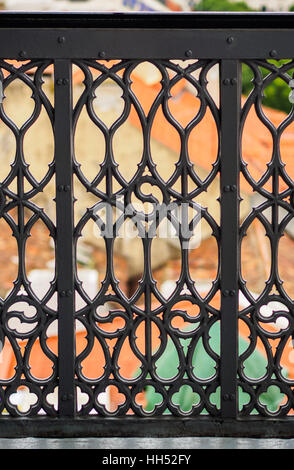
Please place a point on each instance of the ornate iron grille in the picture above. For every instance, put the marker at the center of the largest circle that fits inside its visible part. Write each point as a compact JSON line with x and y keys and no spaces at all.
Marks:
{"x":161,"y":311}
{"x":110,"y":47}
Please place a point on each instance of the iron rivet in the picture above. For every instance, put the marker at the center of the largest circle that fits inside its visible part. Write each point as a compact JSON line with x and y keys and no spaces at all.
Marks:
{"x":188,"y":53}
{"x":273,"y":53}
{"x":233,"y":81}
{"x":226,"y":293}
{"x":22,"y":54}
{"x":59,"y":81}
{"x":230,"y":40}
{"x":68,"y":293}
{"x":226,"y":397}
{"x":70,"y":396}
{"x":65,"y":81}
{"x":232,"y":293}
{"x":227,"y":189}
{"x":63,"y":293}
{"x":233,"y":187}
{"x":226,"y":81}
{"x":61,"y":39}
{"x":102,"y":54}
{"x":60,"y":187}
{"x":232,"y":396}
{"x":64,"y":397}
{"x":66,"y":188}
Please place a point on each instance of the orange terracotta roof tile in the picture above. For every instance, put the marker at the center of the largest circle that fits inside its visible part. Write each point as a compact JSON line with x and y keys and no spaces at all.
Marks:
{"x":257,"y":142}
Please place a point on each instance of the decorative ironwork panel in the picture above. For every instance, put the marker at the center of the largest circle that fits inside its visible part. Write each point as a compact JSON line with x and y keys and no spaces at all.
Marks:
{"x":118,"y":177}
{"x":26,"y":314}
{"x":266,"y":303}
{"x":146,"y":325}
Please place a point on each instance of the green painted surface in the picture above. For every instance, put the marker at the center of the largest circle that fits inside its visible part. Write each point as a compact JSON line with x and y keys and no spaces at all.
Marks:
{"x":255,"y":366}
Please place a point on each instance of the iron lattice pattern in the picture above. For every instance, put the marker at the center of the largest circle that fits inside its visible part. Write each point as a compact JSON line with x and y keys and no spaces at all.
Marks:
{"x":25,"y":317}
{"x":272,"y":304}
{"x":147,"y":311}
{"x":147,"y":324}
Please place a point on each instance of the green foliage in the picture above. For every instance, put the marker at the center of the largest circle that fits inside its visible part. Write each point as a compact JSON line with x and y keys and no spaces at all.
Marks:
{"x":221,"y":5}
{"x":276,"y":94}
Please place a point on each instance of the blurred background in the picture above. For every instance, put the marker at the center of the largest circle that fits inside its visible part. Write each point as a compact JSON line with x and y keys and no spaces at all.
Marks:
{"x":146,"y":5}
{"x":184,"y":103}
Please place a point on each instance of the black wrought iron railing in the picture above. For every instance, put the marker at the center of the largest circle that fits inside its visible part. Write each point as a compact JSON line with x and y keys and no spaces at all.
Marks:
{"x":227,"y":401}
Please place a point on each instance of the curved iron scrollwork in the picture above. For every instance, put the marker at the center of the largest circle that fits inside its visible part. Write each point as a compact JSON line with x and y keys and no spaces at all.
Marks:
{"x":273,"y":305}
{"x":157,"y":312}
{"x":147,"y":325}
{"x":25,"y":318}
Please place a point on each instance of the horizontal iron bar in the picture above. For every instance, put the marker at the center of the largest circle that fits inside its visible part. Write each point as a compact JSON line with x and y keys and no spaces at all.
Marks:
{"x":92,"y":426}
{"x":211,"y":20}
{"x":145,"y":44}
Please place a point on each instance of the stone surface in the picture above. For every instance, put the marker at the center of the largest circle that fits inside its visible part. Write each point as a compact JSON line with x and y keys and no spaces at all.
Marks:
{"x":147,"y":443}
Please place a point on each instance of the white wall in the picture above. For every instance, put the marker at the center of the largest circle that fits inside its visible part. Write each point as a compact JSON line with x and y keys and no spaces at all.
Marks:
{"x":89,"y":5}
{"x":272,"y":5}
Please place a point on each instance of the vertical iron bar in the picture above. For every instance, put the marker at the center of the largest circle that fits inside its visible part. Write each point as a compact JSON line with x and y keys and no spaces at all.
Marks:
{"x":65,"y":224}
{"x":230,"y":100}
